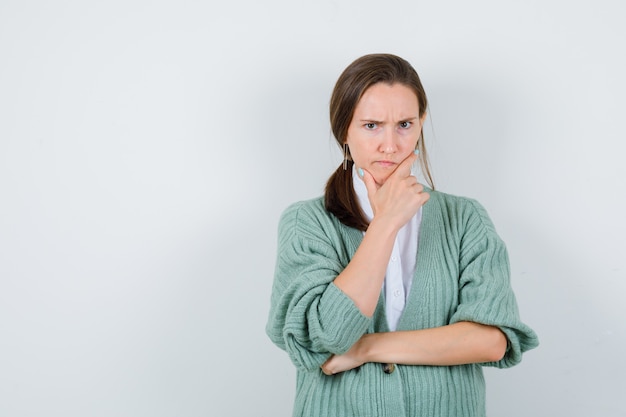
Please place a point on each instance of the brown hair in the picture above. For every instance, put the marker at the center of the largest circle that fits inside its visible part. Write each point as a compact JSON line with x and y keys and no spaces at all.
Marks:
{"x":340,"y":198}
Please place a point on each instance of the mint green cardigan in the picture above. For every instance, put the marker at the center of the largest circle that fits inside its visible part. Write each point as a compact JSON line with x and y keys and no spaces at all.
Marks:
{"x":462,"y":274}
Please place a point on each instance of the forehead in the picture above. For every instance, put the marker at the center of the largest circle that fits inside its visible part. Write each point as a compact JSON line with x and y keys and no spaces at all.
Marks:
{"x":384,"y":98}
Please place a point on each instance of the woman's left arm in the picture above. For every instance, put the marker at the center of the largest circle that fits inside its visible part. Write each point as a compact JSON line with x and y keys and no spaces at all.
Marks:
{"x":455,"y":344}
{"x":485,"y":296}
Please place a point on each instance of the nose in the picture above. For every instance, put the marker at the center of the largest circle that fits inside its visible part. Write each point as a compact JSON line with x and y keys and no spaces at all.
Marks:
{"x":389,"y":142}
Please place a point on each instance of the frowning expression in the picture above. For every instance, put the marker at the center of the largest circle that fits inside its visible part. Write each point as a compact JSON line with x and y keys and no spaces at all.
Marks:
{"x":385,"y":128}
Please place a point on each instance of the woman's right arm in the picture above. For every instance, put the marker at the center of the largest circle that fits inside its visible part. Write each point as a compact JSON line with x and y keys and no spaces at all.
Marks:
{"x":393,"y":203}
{"x":363,"y":278}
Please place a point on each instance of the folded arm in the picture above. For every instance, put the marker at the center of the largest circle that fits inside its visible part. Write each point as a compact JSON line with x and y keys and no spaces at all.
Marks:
{"x":454,"y":344}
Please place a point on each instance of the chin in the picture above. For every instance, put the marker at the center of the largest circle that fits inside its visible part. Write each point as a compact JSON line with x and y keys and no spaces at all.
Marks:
{"x":381,"y":180}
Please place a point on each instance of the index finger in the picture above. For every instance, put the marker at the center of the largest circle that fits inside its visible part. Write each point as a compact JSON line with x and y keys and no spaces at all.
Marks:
{"x":404,"y":168}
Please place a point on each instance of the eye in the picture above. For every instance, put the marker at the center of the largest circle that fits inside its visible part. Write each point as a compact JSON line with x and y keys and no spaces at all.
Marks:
{"x":371,"y":126}
{"x":405,"y":125}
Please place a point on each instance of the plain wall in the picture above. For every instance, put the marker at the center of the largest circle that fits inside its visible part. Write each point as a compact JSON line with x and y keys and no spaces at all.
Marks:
{"x":147,"y":149}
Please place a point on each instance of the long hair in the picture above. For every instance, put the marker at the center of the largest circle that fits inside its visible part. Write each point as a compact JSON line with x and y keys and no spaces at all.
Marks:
{"x":340,"y":198}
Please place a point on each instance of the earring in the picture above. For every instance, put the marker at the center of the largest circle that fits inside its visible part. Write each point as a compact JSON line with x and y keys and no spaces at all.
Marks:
{"x":345,"y":156}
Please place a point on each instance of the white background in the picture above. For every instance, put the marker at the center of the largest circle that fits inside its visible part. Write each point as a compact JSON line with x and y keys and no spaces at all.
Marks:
{"x":147,"y":149}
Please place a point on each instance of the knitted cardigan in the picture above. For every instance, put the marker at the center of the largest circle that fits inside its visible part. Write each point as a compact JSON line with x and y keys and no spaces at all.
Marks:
{"x":462,"y":274}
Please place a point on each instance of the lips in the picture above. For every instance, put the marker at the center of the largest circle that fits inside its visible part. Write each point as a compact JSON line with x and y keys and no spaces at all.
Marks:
{"x":385,"y":163}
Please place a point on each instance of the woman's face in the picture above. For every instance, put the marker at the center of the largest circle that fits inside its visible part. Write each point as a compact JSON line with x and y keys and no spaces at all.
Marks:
{"x":384,"y":129}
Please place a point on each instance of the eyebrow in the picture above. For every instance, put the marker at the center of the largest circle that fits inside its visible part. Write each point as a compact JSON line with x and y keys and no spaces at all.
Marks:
{"x":407,"y":119}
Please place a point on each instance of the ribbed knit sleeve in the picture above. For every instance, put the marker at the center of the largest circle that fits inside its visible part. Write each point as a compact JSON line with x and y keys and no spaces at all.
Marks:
{"x":310,"y":317}
{"x":485,"y":293}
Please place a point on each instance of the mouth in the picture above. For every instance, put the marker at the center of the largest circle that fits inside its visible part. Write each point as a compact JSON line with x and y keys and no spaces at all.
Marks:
{"x":385,"y":163}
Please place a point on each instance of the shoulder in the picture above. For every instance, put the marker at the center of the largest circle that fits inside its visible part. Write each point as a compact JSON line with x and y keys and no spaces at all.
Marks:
{"x":454,"y":202}
{"x":307,"y":218}
{"x":305,"y":212}
{"x":462,"y":211}
{"x":306,"y":206}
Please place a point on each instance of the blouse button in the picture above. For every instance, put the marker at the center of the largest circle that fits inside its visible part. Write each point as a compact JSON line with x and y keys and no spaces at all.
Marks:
{"x":388,"y":368}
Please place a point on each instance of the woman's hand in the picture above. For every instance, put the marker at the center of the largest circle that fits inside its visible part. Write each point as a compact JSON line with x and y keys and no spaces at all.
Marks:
{"x":399,"y":198}
{"x":341,"y":363}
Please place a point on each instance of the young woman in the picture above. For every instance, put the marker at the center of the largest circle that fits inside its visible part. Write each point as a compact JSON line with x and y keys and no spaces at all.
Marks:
{"x":388,"y":296}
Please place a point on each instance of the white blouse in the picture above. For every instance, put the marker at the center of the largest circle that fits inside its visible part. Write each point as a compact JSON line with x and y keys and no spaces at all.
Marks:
{"x":401,"y":267}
